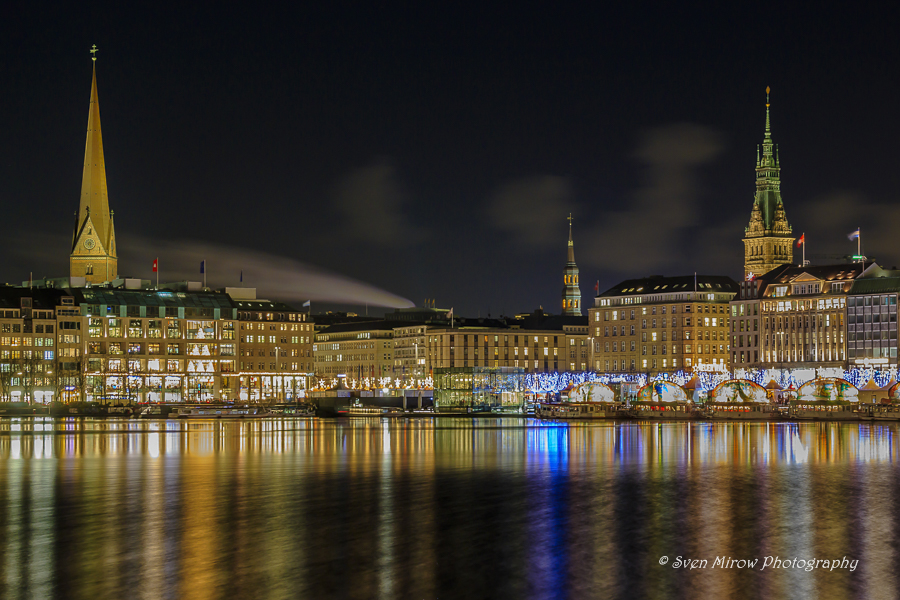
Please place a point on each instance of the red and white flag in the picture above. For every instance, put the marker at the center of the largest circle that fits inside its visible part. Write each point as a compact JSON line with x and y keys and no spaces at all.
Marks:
{"x":155,"y":264}
{"x":801,"y":241}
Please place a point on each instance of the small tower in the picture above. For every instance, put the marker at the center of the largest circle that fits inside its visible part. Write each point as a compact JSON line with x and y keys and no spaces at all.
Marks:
{"x":94,"y":255}
{"x":767,"y":240}
{"x":571,"y":296}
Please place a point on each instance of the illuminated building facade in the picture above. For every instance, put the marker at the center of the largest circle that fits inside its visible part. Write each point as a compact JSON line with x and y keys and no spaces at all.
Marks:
{"x":661,"y":324}
{"x":767,"y":239}
{"x":94,"y":254}
{"x":803,"y":315}
{"x":119,"y":345}
{"x":358,"y":350}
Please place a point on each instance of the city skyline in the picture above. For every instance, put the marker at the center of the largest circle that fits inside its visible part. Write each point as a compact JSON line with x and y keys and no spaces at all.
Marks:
{"x":661,"y":167}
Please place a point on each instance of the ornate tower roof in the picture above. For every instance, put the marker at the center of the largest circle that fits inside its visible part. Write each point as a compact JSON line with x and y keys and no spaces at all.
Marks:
{"x":94,"y":196}
{"x":571,"y":300}
{"x":767,"y":239}
{"x":768,"y":179}
{"x":94,"y":240}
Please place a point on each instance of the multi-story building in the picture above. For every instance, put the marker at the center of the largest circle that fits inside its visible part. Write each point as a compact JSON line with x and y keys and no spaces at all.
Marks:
{"x":358,"y":350}
{"x":745,"y":323}
{"x":536,"y":342}
{"x":803,"y":315}
{"x":29,"y":326}
{"x":661,"y":324}
{"x":114,"y":344}
{"x":767,"y":240}
{"x":276,"y":355}
{"x":872,"y":320}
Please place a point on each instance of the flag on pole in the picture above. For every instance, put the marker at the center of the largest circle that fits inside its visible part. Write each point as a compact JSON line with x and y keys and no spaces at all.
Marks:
{"x":854,"y":235}
{"x":155,"y":264}
{"x":202,"y":266}
{"x":242,"y":276}
{"x":306,"y":304}
{"x":801,"y":241}
{"x":597,"y":287}
{"x":450,"y":314}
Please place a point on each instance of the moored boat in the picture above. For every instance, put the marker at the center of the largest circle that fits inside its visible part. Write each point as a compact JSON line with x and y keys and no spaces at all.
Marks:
{"x":824,"y":410}
{"x":17,"y":409}
{"x":371,"y":411}
{"x":885,"y":411}
{"x":662,"y":410}
{"x":220,"y":412}
{"x":741,"y":411}
{"x":578,"y":410}
{"x":90,"y":409}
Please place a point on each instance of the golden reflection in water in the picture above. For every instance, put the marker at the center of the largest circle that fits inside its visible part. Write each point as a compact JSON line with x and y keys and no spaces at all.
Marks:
{"x":430,"y":507}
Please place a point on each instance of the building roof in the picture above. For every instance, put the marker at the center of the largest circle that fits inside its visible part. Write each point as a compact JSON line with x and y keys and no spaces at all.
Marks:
{"x":119,"y":297}
{"x":374,"y":325}
{"x":876,"y":285}
{"x":839,"y":272}
{"x":41,"y":298}
{"x":658,"y":284}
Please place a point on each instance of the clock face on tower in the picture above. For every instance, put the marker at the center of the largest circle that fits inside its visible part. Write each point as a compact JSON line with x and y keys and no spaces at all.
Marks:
{"x":89,"y":243}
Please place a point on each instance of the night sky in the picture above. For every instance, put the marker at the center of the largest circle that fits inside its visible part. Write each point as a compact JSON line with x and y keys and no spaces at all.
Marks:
{"x":436,"y":153}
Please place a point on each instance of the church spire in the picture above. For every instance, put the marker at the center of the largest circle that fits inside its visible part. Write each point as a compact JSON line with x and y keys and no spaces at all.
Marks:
{"x":571,"y":296}
{"x":93,"y":244}
{"x":767,"y":240}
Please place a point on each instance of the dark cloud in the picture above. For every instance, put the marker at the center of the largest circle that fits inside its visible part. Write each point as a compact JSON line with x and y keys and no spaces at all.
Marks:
{"x":372,"y":202}
{"x":646,"y":235}
{"x":529,"y":208}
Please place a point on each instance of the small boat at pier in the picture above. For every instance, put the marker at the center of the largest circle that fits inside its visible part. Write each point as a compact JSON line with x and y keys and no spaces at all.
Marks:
{"x":578,"y":410}
{"x":220,"y":412}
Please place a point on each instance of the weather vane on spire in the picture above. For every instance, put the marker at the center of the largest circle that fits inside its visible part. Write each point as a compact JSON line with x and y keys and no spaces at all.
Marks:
{"x":93,"y":52}
{"x":570,"y":219}
{"x":768,"y":89}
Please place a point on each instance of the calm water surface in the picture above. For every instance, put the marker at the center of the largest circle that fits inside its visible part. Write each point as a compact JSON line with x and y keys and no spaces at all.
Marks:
{"x":443,"y":508}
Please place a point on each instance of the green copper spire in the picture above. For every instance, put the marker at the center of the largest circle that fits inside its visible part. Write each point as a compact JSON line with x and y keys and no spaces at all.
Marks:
{"x":767,"y":240}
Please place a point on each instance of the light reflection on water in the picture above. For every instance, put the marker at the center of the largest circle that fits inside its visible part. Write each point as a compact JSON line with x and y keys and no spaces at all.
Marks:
{"x":493,"y":508}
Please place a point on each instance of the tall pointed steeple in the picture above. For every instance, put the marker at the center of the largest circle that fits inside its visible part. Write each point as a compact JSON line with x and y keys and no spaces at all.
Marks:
{"x":94,"y":254}
{"x":767,"y":240}
{"x":571,"y":300}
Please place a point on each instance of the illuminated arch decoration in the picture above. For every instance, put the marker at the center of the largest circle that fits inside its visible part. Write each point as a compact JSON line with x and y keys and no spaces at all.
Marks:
{"x":739,"y":390}
{"x":593,"y":391}
{"x":894,"y":392}
{"x":830,"y":389}
{"x":662,"y":391}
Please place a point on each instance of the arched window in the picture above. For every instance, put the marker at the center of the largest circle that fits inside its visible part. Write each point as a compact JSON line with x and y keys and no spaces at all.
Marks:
{"x":89,"y":270}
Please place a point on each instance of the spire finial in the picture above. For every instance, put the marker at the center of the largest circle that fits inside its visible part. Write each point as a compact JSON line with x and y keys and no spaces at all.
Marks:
{"x":768,"y":90}
{"x":570,"y":229}
{"x":93,"y":52}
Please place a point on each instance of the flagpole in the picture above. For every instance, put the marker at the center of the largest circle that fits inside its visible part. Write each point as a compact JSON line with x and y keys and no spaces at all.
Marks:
{"x":157,"y":272}
{"x":859,"y":242}
{"x":204,"y":272}
{"x":804,"y":248}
